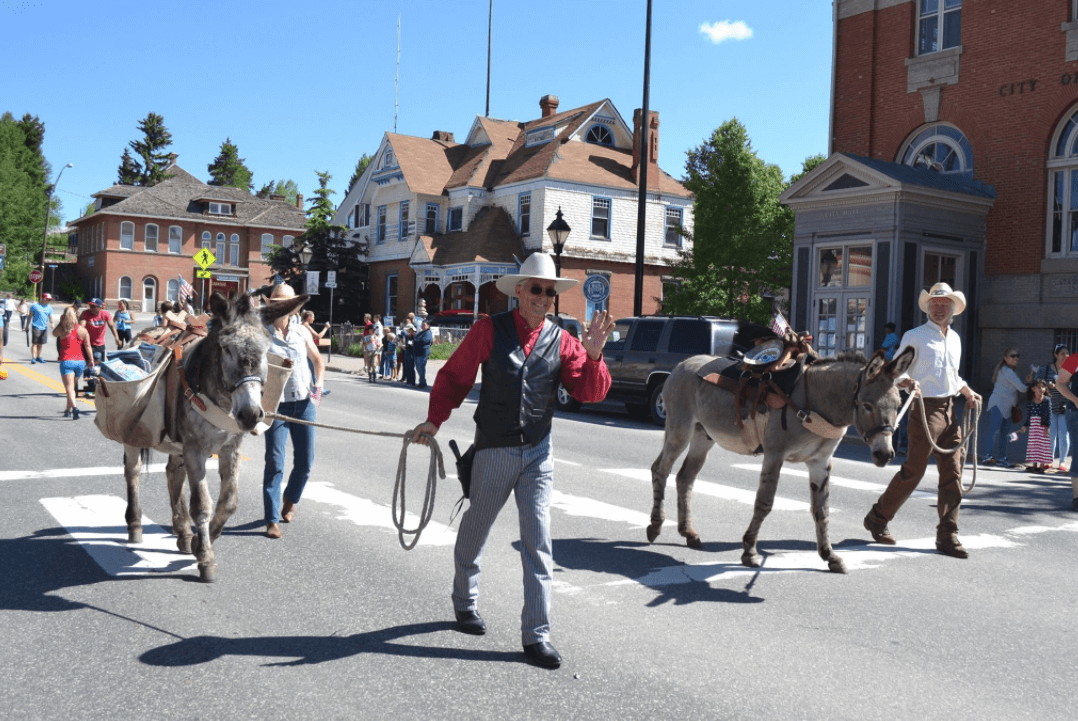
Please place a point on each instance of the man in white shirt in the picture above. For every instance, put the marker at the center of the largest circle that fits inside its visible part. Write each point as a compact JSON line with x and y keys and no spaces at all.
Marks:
{"x":935,"y":374}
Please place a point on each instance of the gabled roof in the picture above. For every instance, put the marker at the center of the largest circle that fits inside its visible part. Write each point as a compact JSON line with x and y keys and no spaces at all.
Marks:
{"x":953,"y":182}
{"x":424,"y":162}
{"x":478,"y":165}
{"x":491,"y":238}
{"x":179,"y":198}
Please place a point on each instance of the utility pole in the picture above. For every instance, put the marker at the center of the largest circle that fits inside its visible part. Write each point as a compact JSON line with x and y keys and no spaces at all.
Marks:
{"x":641,"y":213}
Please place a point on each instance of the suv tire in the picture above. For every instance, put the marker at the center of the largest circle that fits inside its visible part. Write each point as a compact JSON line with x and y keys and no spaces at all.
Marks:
{"x":656,"y":406}
{"x":565,"y":402}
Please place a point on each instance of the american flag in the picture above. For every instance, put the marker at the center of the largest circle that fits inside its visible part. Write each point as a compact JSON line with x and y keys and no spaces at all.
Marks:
{"x":779,"y":324}
{"x":186,"y":291}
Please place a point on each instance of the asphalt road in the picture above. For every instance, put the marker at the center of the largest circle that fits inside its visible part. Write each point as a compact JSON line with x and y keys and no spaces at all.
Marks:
{"x":336,"y":621}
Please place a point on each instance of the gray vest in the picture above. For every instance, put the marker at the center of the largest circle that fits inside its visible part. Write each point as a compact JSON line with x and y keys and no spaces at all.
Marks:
{"x":516,"y":401}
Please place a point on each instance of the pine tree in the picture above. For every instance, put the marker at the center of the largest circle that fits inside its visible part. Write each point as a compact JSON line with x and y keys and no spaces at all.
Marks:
{"x":361,"y":165}
{"x":129,"y":172}
{"x":228,"y":168}
{"x":25,"y":193}
{"x":286,"y":188}
{"x":151,"y":149}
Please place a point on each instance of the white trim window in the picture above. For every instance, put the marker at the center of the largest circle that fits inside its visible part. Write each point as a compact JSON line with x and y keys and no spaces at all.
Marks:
{"x":672,"y":237}
{"x":939,"y":25}
{"x":234,"y":249}
{"x":175,"y":239}
{"x":125,"y":287}
{"x":600,"y":218}
{"x":220,"y":209}
{"x":940,"y":147}
{"x":150,"y":238}
{"x":456,"y":220}
{"x":127,"y":237}
{"x":173,"y":290}
{"x":220,"y":250}
{"x":287,"y":241}
{"x":207,"y":239}
{"x":267,"y":245}
{"x":1063,"y":189}
{"x":402,"y":220}
{"x":388,"y":161}
{"x":524,"y":204}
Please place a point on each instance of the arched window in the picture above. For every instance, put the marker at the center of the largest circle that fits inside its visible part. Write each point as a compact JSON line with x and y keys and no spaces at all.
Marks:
{"x":127,"y":237}
{"x":173,"y":289}
{"x":267,"y":245}
{"x":220,"y":252}
{"x":234,"y":249}
{"x":207,"y":239}
{"x":939,"y":147}
{"x":125,"y":287}
{"x":151,"y":238}
{"x":600,"y":135}
{"x":1063,"y":188}
{"x":175,"y":239}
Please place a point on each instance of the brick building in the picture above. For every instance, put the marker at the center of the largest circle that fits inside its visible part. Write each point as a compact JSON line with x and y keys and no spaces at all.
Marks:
{"x":139,"y":241}
{"x":443,"y":220}
{"x":953,"y":156}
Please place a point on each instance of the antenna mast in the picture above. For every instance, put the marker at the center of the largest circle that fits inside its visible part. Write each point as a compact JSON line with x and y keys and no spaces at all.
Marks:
{"x":490,"y":17}
{"x":397,"y":79}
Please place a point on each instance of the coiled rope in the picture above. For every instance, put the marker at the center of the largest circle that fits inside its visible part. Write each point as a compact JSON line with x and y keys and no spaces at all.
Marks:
{"x":971,"y":418}
{"x":434,"y":472}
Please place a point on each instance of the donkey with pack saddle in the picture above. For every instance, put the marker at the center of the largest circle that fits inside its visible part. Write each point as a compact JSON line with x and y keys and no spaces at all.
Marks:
{"x":211,"y":386}
{"x":777,"y":402}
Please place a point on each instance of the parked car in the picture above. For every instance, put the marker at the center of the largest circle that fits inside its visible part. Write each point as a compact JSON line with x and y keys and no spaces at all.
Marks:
{"x":454,"y":319}
{"x":569,"y":323}
{"x":642,"y":352}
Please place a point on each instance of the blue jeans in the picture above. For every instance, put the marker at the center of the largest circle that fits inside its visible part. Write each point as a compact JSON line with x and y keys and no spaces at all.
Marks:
{"x":1072,"y":426}
{"x":302,"y":452}
{"x":387,"y":365}
{"x":1060,"y":437}
{"x":421,"y":369}
{"x":995,"y":443}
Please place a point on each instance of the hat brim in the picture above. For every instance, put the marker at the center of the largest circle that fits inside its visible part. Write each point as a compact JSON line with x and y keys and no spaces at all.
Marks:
{"x":957,"y":297}
{"x":507,"y":283}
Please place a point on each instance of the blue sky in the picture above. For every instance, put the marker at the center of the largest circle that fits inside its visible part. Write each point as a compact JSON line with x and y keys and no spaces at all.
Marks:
{"x":301,"y":87}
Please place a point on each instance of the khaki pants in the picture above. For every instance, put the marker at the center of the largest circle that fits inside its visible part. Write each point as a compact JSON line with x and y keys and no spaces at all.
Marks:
{"x":947,"y":432}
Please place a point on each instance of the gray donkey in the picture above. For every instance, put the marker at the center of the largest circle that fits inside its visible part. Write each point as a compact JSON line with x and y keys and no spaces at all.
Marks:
{"x":228,"y":367}
{"x":843,"y":390}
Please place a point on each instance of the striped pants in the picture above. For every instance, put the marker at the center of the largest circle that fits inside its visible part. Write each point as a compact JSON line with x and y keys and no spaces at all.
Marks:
{"x":527,"y":472}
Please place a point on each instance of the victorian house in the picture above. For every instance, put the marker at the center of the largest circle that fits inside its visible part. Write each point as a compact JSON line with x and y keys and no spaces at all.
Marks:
{"x":443,"y":220}
{"x":140,"y":242}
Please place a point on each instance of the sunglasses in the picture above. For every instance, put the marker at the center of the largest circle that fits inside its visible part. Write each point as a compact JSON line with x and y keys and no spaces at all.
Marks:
{"x":1014,"y":356}
{"x":539,"y":290}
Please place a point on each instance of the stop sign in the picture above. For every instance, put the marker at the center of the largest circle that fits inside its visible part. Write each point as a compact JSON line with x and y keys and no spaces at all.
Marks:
{"x":35,"y":276}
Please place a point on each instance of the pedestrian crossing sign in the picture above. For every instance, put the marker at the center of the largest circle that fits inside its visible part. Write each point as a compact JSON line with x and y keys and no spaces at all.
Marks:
{"x":205,"y":258}
{"x":202,"y":274}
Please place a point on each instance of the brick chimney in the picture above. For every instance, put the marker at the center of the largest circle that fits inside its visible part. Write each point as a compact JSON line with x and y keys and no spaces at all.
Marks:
{"x":277,"y":197}
{"x":442,"y":135}
{"x":299,"y":200}
{"x":172,"y":158}
{"x":549,"y":105}
{"x":653,"y":148}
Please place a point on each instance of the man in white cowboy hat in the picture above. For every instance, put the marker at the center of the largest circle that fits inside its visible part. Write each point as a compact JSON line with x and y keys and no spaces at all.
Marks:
{"x":935,"y":374}
{"x":524,"y":357}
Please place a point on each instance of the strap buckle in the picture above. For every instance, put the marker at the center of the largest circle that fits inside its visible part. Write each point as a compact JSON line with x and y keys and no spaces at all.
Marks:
{"x":803,"y":416}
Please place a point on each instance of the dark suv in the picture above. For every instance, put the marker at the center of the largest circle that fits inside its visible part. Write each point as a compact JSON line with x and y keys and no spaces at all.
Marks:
{"x":642,"y":352}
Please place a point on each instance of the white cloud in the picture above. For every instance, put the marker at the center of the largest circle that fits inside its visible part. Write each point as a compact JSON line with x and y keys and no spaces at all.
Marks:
{"x":726,"y":30}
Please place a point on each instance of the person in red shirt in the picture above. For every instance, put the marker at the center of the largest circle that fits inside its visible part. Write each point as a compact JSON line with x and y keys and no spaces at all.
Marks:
{"x":524,"y":357}
{"x":1063,"y":385}
{"x":95,"y":319}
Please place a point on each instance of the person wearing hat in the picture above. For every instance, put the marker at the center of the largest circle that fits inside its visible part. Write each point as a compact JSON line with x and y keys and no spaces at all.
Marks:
{"x":40,"y":324}
{"x":934,"y":374}
{"x":95,"y":319}
{"x":408,"y":355}
{"x":524,"y":357}
{"x":301,"y":396}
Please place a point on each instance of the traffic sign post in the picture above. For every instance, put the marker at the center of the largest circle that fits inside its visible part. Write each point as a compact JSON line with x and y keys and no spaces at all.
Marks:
{"x":205,"y":258}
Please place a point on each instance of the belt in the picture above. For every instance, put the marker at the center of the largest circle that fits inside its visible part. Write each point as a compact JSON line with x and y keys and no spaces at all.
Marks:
{"x":513,"y":440}
{"x":937,"y":401}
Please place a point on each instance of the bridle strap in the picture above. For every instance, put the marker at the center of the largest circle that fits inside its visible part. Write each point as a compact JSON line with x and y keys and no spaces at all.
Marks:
{"x":247,"y":379}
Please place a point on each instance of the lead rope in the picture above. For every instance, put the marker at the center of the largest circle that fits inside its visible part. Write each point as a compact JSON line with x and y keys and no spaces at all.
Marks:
{"x":969,"y":432}
{"x":435,"y":471}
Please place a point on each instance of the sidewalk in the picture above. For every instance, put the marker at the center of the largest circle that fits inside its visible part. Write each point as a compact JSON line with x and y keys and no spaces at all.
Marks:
{"x":354,"y":366}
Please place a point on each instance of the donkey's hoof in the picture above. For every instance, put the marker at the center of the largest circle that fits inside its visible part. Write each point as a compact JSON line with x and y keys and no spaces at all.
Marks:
{"x":134,"y":536}
{"x":836,"y":565}
{"x":751,"y":560}
{"x":183,"y":544}
{"x":693,"y":540}
{"x":207,"y":573}
{"x":653,"y":531}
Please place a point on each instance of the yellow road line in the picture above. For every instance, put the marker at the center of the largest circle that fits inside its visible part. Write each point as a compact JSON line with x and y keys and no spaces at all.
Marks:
{"x":44,"y":380}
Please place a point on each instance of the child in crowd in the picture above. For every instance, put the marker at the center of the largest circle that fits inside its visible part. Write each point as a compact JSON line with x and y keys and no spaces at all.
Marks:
{"x":1038,"y":422}
{"x":389,"y":355}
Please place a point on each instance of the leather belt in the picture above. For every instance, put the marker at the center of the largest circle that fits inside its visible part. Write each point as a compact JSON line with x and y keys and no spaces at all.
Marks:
{"x":937,"y":401}
{"x":514,"y":440}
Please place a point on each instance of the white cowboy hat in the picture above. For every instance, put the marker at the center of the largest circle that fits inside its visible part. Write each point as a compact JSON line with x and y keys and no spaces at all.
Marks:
{"x":942,"y":290}
{"x":539,"y":266}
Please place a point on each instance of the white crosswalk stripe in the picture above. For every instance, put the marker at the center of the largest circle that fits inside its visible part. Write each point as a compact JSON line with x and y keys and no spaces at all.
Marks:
{"x":716,"y":490}
{"x":835,"y":480}
{"x":362,"y":512}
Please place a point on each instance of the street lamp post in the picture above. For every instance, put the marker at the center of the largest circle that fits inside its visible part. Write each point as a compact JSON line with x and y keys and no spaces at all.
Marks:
{"x":559,"y":233}
{"x":48,"y":210}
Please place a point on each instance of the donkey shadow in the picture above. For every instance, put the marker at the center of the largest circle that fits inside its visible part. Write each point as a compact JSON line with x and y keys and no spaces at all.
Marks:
{"x":304,"y":650}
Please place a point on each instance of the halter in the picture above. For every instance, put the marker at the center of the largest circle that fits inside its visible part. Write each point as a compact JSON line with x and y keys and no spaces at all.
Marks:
{"x":247,"y":379}
{"x":882,"y":428}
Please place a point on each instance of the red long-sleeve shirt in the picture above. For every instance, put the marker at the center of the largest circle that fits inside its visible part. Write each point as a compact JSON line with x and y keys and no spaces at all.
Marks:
{"x":586,"y":380}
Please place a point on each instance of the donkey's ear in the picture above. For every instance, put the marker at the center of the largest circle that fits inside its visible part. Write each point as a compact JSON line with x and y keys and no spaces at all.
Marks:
{"x":242,"y":304}
{"x":220,"y":307}
{"x":277,"y":308}
{"x":901,"y":362}
{"x":875,"y":364}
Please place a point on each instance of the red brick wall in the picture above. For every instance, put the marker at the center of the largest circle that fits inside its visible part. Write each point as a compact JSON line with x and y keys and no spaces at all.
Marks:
{"x":405,"y":286}
{"x":1003,"y":43}
{"x":622,"y":284}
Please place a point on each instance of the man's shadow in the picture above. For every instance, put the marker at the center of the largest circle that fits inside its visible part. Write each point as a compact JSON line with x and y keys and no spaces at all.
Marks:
{"x":302,"y":650}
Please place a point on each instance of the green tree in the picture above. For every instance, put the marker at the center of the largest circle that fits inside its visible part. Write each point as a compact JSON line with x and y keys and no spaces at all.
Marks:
{"x":25,"y":192}
{"x":807,"y":166}
{"x":89,"y":209}
{"x":150,"y":168}
{"x":129,"y":172}
{"x":742,"y":237}
{"x":361,"y":165}
{"x":287,"y":188}
{"x":228,"y":168}
{"x":330,"y":251}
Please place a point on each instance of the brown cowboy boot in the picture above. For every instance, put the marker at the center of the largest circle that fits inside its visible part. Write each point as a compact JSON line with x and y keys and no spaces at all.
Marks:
{"x":949,"y":545}
{"x":877,"y":526}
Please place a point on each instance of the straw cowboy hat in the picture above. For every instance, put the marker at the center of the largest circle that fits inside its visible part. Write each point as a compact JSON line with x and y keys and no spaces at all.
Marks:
{"x":539,"y":266}
{"x":942,"y":290}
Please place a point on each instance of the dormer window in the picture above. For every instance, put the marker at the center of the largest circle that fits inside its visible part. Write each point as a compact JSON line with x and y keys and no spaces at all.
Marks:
{"x":599,"y":135}
{"x":220,"y":208}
